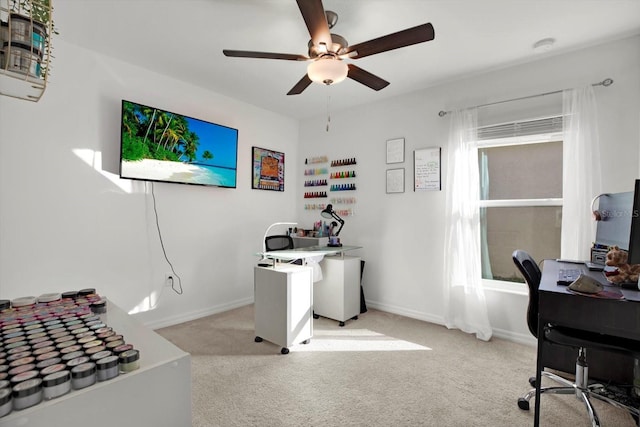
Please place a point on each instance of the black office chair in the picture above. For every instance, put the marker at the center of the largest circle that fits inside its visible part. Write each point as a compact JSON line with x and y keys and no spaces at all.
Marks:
{"x":577,"y":339}
{"x":279,"y":243}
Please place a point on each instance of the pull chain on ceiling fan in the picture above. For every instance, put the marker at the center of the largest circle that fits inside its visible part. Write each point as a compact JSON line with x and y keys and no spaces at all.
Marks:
{"x":328,"y":110}
{"x":328,"y":51}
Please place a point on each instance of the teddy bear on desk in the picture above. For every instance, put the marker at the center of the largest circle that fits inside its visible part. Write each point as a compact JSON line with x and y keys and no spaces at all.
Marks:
{"x":624,"y":272}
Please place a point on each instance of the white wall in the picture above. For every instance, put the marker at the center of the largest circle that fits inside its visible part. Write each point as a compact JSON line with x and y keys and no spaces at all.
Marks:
{"x":402,"y":234}
{"x":68,"y":222}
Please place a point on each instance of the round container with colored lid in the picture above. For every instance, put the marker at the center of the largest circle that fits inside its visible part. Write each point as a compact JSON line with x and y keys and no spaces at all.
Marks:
{"x":122,"y":348}
{"x":13,"y":372}
{"x":100,"y":355}
{"x":78,"y":361}
{"x":71,"y":349}
{"x":108,"y":368}
{"x":50,"y":297}
{"x":68,"y":356}
{"x":56,"y":384}
{"x":70,"y":294}
{"x":93,"y":350}
{"x":113,"y":344}
{"x":129,"y":360}
{"x":86,"y":291}
{"x":115,"y":337}
{"x":48,"y":362}
{"x":5,"y":401}
{"x":47,"y":356}
{"x":15,"y":356}
{"x":83,"y":375}
{"x":23,"y":301}
{"x":27,"y":393}
{"x":99,"y":306}
{"x":52,"y":369}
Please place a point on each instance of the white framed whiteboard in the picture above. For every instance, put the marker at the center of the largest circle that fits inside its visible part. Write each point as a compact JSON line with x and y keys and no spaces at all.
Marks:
{"x":426,"y":169}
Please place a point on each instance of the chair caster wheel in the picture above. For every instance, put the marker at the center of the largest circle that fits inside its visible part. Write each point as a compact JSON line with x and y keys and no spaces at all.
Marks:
{"x":523,"y":404}
{"x":284,"y":350}
{"x":341,"y":324}
{"x":257,"y":339}
{"x":532,"y":381}
{"x":355,"y":317}
{"x":306,"y":341}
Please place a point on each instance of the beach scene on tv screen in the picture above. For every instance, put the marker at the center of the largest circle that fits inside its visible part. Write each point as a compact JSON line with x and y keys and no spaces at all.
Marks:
{"x":161,"y":146}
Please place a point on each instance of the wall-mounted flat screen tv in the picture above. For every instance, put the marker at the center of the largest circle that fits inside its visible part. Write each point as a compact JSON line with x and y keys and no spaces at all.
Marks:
{"x":158,"y":145}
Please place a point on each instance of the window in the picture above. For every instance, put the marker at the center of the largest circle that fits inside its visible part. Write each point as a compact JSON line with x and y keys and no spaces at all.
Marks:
{"x":521,"y":193}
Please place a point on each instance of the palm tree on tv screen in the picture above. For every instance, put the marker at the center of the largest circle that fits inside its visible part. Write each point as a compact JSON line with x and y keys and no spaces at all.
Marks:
{"x":156,"y":134}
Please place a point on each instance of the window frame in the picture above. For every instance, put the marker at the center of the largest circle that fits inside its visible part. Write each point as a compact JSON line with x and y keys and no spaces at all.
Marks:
{"x":542,"y":138}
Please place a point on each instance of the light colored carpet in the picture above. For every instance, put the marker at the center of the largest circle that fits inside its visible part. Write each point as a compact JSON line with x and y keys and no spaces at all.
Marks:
{"x":379,"y":370}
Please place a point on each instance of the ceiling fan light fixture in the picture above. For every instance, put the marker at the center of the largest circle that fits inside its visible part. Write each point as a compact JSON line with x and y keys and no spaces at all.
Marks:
{"x":327,"y":70}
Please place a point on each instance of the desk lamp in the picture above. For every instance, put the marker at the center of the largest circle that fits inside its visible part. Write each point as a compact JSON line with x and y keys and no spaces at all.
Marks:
{"x":329,"y":213}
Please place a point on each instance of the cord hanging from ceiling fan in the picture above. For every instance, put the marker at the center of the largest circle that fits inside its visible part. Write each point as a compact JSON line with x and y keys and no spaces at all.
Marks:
{"x":328,"y":104}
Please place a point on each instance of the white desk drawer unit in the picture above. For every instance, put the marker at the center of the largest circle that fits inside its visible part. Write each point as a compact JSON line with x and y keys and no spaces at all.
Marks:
{"x":283,"y":302}
{"x":337,"y":295}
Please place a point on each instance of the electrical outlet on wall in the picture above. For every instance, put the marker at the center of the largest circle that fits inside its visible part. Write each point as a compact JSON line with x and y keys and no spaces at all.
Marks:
{"x":168,"y":279}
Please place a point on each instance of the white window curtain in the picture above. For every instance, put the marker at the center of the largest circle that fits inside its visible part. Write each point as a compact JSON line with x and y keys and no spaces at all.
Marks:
{"x":581,"y":175}
{"x":464,"y":300}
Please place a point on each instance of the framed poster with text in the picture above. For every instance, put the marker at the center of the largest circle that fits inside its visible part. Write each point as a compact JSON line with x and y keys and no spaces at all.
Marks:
{"x":267,"y":170}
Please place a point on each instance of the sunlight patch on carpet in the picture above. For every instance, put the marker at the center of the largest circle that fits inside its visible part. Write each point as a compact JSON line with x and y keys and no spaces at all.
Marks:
{"x":355,"y":340}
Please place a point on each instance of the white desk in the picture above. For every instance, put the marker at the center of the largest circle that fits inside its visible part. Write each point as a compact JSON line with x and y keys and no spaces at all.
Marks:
{"x":337,"y":295}
{"x":308,"y":252}
{"x":156,"y":394}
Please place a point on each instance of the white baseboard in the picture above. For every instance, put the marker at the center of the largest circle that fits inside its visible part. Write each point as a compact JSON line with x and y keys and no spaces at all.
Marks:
{"x":406,"y":313}
{"x":526,"y":339}
{"x":193,"y":315}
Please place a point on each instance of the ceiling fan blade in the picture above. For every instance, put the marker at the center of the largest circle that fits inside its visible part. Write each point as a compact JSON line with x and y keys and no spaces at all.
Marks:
{"x":265,"y":55}
{"x":316,"y":20}
{"x":366,"y":78}
{"x":408,"y":37}
{"x":300,"y":86}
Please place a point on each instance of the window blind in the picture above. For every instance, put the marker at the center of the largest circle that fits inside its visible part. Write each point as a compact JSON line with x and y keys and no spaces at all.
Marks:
{"x":540,"y":126}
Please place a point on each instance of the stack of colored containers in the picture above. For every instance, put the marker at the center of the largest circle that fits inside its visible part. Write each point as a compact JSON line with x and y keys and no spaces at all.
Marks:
{"x":56,"y":343}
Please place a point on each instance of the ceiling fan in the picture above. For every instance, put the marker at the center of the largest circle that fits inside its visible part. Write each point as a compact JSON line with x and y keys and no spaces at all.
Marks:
{"x":327,"y":50}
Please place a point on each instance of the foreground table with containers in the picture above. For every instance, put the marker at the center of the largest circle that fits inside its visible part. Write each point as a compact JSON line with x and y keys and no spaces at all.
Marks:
{"x":68,"y":356}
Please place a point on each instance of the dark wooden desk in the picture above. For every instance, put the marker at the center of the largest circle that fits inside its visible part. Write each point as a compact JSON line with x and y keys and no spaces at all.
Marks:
{"x":557,"y":305}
